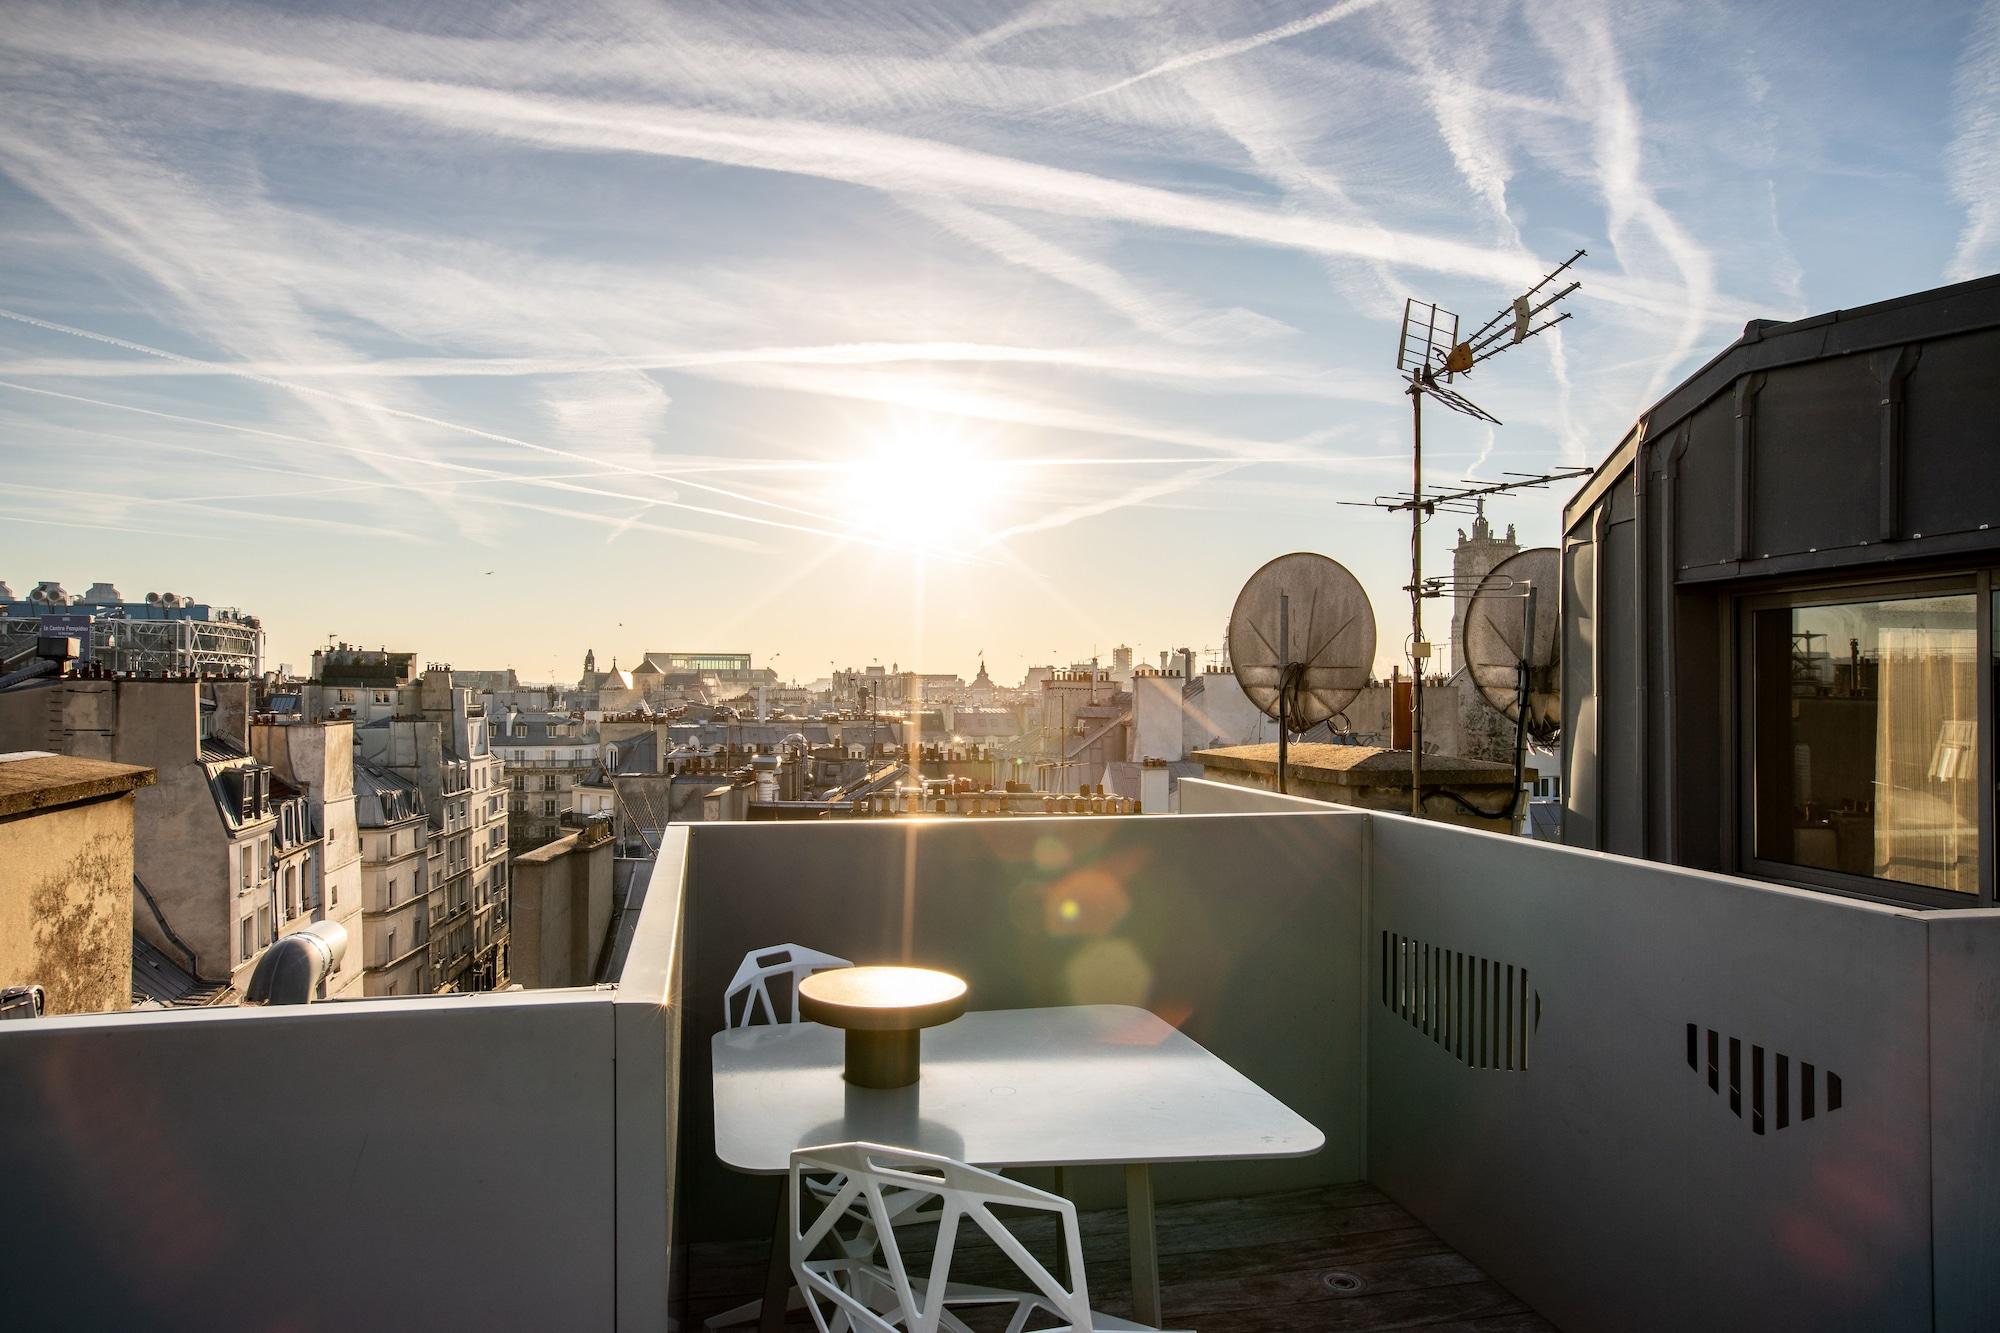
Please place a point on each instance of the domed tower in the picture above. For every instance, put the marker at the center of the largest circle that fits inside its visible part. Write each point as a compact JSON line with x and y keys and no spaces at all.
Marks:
{"x":1471,"y":560}
{"x":981,"y":689}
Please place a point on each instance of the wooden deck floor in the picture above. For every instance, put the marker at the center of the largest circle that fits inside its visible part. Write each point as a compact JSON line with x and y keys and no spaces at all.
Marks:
{"x":1338,"y":1258}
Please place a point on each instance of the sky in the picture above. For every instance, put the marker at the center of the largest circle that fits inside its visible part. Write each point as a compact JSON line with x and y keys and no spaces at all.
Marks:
{"x":851,"y":332}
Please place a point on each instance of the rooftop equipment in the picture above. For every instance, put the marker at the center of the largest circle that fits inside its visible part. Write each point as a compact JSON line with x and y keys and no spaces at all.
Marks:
{"x":1513,"y":646}
{"x":1429,"y":351}
{"x":290,"y":971}
{"x":1302,"y":640}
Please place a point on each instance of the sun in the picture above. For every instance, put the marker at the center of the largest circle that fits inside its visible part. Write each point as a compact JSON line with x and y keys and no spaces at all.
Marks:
{"x":922,"y":483}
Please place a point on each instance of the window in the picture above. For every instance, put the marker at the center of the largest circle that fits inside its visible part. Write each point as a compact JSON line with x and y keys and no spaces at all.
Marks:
{"x":249,"y":943}
{"x":1865,"y":739}
{"x":392,"y":942}
{"x":549,"y":807}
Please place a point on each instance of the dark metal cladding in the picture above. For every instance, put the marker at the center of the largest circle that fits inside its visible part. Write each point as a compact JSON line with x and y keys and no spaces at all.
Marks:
{"x":1850,"y":447}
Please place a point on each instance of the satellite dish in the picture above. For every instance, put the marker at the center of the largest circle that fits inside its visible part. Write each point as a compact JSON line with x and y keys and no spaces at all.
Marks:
{"x":1302,"y":639}
{"x":1515,"y":617}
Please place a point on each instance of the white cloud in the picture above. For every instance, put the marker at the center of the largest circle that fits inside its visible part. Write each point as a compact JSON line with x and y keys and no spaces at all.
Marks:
{"x":1974,"y":153}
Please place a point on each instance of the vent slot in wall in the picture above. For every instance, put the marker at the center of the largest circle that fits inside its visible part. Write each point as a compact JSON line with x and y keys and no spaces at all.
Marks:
{"x":1767,"y":1093}
{"x":1481,"y":1011}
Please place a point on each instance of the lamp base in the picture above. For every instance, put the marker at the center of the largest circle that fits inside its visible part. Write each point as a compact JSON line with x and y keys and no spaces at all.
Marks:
{"x":884,"y":1059}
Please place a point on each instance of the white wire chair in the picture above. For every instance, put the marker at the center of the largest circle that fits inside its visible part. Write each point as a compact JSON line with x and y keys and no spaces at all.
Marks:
{"x":848,"y":1291}
{"x":754,"y":975}
{"x":748,"y":1002}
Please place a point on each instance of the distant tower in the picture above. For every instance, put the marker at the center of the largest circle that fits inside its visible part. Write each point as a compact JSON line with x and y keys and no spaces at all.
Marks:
{"x":1472,"y":559}
{"x":589,"y":661}
{"x":1121,"y":662}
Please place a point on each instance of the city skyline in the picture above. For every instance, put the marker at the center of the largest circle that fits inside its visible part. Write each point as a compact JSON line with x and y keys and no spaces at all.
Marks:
{"x":891,"y":336}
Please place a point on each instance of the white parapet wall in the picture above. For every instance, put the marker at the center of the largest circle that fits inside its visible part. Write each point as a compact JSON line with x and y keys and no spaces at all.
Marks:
{"x":1645,"y":1097}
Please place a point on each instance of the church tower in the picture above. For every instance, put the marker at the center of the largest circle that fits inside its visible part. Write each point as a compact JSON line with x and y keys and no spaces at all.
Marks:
{"x":1471,"y":560}
{"x":589,"y":668}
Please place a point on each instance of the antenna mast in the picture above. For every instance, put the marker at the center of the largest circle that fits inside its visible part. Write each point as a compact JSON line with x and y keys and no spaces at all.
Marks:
{"x":1430,"y":352}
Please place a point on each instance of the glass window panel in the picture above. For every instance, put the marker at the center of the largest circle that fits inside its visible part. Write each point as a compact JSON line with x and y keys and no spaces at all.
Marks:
{"x":1867,"y":740}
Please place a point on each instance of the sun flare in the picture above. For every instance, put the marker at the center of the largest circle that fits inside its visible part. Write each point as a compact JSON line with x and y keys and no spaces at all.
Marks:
{"x":924,"y":484}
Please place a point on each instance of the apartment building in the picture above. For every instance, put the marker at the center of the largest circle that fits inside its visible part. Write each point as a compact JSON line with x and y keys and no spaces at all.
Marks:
{"x":427,"y":730}
{"x":318,"y":862}
{"x":545,"y":756}
{"x":227,"y":851}
{"x":396,"y":842}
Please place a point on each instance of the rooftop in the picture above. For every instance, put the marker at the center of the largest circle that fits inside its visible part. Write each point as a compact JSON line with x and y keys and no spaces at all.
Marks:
{"x":1553,"y":1085}
{"x":1341,"y":1257}
{"x":1349,"y":763}
{"x":158,"y":978}
{"x":33,"y":780}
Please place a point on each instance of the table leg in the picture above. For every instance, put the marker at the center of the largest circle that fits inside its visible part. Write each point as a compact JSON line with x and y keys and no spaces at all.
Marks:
{"x":1062,"y":1272}
{"x":778,"y":1272}
{"x":1145,"y":1244}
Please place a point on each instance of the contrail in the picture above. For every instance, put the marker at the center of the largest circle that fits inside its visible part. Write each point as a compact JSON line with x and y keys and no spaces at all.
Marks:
{"x":1224,"y":50}
{"x":418,"y":417}
{"x":361,"y":452}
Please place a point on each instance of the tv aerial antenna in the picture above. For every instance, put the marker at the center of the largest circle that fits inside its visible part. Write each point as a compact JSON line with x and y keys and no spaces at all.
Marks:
{"x":1513,"y":648}
{"x":1302,"y":642}
{"x":1430,"y":352}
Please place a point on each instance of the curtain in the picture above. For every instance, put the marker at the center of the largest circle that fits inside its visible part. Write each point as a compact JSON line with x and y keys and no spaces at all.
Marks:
{"x":1926,"y":758}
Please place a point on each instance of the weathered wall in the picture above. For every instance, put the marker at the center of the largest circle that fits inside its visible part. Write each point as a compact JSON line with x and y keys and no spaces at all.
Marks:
{"x":1157,"y":725}
{"x":1220,"y":713}
{"x":562,"y":911}
{"x":181,"y":846}
{"x":1444,"y":723}
{"x":66,"y":904}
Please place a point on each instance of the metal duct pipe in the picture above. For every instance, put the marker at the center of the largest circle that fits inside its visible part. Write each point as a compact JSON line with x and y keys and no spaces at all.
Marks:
{"x":290,"y":971}
{"x":34,"y":670}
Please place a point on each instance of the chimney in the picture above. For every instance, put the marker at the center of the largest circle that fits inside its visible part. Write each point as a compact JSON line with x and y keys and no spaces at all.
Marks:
{"x":231,"y":720}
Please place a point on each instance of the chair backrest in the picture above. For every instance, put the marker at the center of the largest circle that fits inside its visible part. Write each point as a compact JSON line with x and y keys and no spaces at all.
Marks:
{"x":752,"y":983}
{"x":878,"y":1182}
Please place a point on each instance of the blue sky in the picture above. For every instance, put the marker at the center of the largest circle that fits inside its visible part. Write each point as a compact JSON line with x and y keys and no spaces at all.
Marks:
{"x":864,"y":332}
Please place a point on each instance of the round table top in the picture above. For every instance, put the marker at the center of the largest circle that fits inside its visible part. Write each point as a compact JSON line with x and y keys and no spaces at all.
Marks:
{"x":881,"y":999}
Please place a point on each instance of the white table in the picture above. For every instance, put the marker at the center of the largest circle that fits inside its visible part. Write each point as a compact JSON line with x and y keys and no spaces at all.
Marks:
{"x":1091,"y":1085}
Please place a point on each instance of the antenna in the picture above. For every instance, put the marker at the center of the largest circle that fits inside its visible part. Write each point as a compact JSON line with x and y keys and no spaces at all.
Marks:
{"x":1302,"y":642}
{"x":1428,"y":348}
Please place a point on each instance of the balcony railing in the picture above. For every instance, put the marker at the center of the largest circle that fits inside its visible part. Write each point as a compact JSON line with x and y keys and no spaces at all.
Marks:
{"x":1640,"y":1097}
